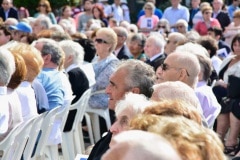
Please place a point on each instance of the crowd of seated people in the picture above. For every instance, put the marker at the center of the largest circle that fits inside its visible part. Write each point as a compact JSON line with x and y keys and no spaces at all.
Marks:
{"x":189,"y":62}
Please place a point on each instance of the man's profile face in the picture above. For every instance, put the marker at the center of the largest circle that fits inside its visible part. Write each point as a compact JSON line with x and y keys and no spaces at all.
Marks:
{"x":170,"y":70}
{"x":116,"y":88}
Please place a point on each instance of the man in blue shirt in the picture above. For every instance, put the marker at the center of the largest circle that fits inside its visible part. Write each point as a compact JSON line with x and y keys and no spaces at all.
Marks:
{"x":176,"y":12}
{"x":232,"y":8}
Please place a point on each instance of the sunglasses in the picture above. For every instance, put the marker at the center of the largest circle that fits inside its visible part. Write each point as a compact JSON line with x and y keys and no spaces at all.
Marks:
{"x":207,"y":12}
{"x":162,"y":27}
{"x":148,"y":8}
{"x":41,"y":5}
{"x":166,"y":67}
{"x":100,"y":41}
{"x":179,"y":26}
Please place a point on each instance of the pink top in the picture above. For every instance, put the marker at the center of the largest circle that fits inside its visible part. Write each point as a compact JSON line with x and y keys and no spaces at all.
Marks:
{"x":202,"y":28}
{"x":148,"y":22}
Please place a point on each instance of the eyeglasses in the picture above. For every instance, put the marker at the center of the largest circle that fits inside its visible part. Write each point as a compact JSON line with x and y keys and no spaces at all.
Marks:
{"x":100,"y":41}
{"x":148,"y":8}
{"x":236,"y":17}
{"x":166,"y":67}
{"x":207,"y":12}
{"x":41,"y":5}
{"x":179,"y":26}
{"x":161,"y":27}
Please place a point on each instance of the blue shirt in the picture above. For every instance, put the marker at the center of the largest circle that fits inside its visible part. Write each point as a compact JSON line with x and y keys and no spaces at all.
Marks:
{"x":231,"y":10}
{"x":174,"y":14}
{"x":51,"y":81}
{"x":157,"y":12}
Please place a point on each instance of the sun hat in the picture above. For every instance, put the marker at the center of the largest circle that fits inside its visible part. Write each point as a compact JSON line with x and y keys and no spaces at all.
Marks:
{"x":22,"y":26}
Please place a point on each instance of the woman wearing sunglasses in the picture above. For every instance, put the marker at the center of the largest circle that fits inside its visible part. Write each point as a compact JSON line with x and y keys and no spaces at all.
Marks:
{"x":44,"y":8}
{"x":207,"y":21}
{"x":148,"y":21}
{"x":163,"y":27}
{"x":105,"y":43}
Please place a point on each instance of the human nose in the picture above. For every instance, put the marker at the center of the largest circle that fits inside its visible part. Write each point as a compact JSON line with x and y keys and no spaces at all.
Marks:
{"x":114,"y":128}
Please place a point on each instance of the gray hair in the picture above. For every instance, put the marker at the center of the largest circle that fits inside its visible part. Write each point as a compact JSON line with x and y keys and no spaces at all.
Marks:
{"x":158,"y":39}
{"x":52,"y":47}
{"x":121,"y":31}
{"x":44,"y":21}
{"x":134,"y":102}
{"x":73,"y":48}
{"x":7,"y":66}
{"x":139,"y":74}
{"x":139,"y":37}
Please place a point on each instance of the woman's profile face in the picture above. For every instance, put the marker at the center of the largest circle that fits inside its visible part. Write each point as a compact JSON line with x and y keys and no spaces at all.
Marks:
{"x":67,"y":12}
{"x":236,"y":47}
{"x":96,"y":13}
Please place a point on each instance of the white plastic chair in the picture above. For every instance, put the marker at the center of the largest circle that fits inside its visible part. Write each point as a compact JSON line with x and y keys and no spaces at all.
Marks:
{"x":36,"y":127}
{"x":22,"y":138}
{"x":73,"y":142}
{"x":8,"y":141}
{"x":46,"y":128}
{"x":94,"y":112}
{"x":13,"y":145}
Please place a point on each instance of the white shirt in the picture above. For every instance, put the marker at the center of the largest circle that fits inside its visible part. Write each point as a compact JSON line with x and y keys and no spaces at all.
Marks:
{"x":4,"y":111}
{"x":28,"y":101}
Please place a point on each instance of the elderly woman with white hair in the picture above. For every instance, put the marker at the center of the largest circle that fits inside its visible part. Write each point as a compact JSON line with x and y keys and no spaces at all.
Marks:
{"x":181,"y":26}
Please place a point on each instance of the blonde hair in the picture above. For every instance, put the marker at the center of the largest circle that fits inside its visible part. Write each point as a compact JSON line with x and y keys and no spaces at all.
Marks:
{"x":110,"y":35}
{"x":32,"y":58}
{"x":191,"y":140}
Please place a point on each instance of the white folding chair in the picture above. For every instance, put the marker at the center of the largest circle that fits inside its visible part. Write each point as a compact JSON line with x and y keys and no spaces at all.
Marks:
{"x":13,"y":145}
{"x":36,"y":127}
{"x":94,"y":112}
{"x":59,"y":123}
{"x":8,"y":141}
{"x":73,"y":142}
{"x":46,"y":128}
{"x":22,"y":138}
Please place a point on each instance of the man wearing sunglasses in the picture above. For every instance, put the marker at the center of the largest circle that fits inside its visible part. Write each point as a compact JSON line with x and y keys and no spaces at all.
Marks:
{"x":7,"y":11}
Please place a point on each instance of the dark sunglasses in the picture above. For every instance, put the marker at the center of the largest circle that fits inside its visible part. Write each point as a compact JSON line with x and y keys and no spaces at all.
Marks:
{"x":165,"y":67}
{"x":161,"y":26}
{"x":41,"y":5}
{"x":179,"y":26}
{"x":148,"y":8}
{"x":99,"y":40}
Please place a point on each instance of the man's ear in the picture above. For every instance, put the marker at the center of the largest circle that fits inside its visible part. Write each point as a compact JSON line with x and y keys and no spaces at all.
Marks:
{"x":183,"y":75}
{"x":135,"y":90}
{"x":47,"y":58}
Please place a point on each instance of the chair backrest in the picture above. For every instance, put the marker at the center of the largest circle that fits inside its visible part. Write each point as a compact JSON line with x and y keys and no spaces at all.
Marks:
{"x":36,"y":127}
{"x":46,"y":128}
{"x":7,"y":142}
{"x":20,"y":138}
{"x":80,"y":108}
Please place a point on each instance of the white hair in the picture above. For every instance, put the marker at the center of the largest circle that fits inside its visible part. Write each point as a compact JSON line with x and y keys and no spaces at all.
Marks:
{"x":73,"y":48}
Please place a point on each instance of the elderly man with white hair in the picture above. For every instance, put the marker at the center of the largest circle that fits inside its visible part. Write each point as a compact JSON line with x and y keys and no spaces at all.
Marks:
{"x":154,"y":49}
{"x":73,"y":58}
